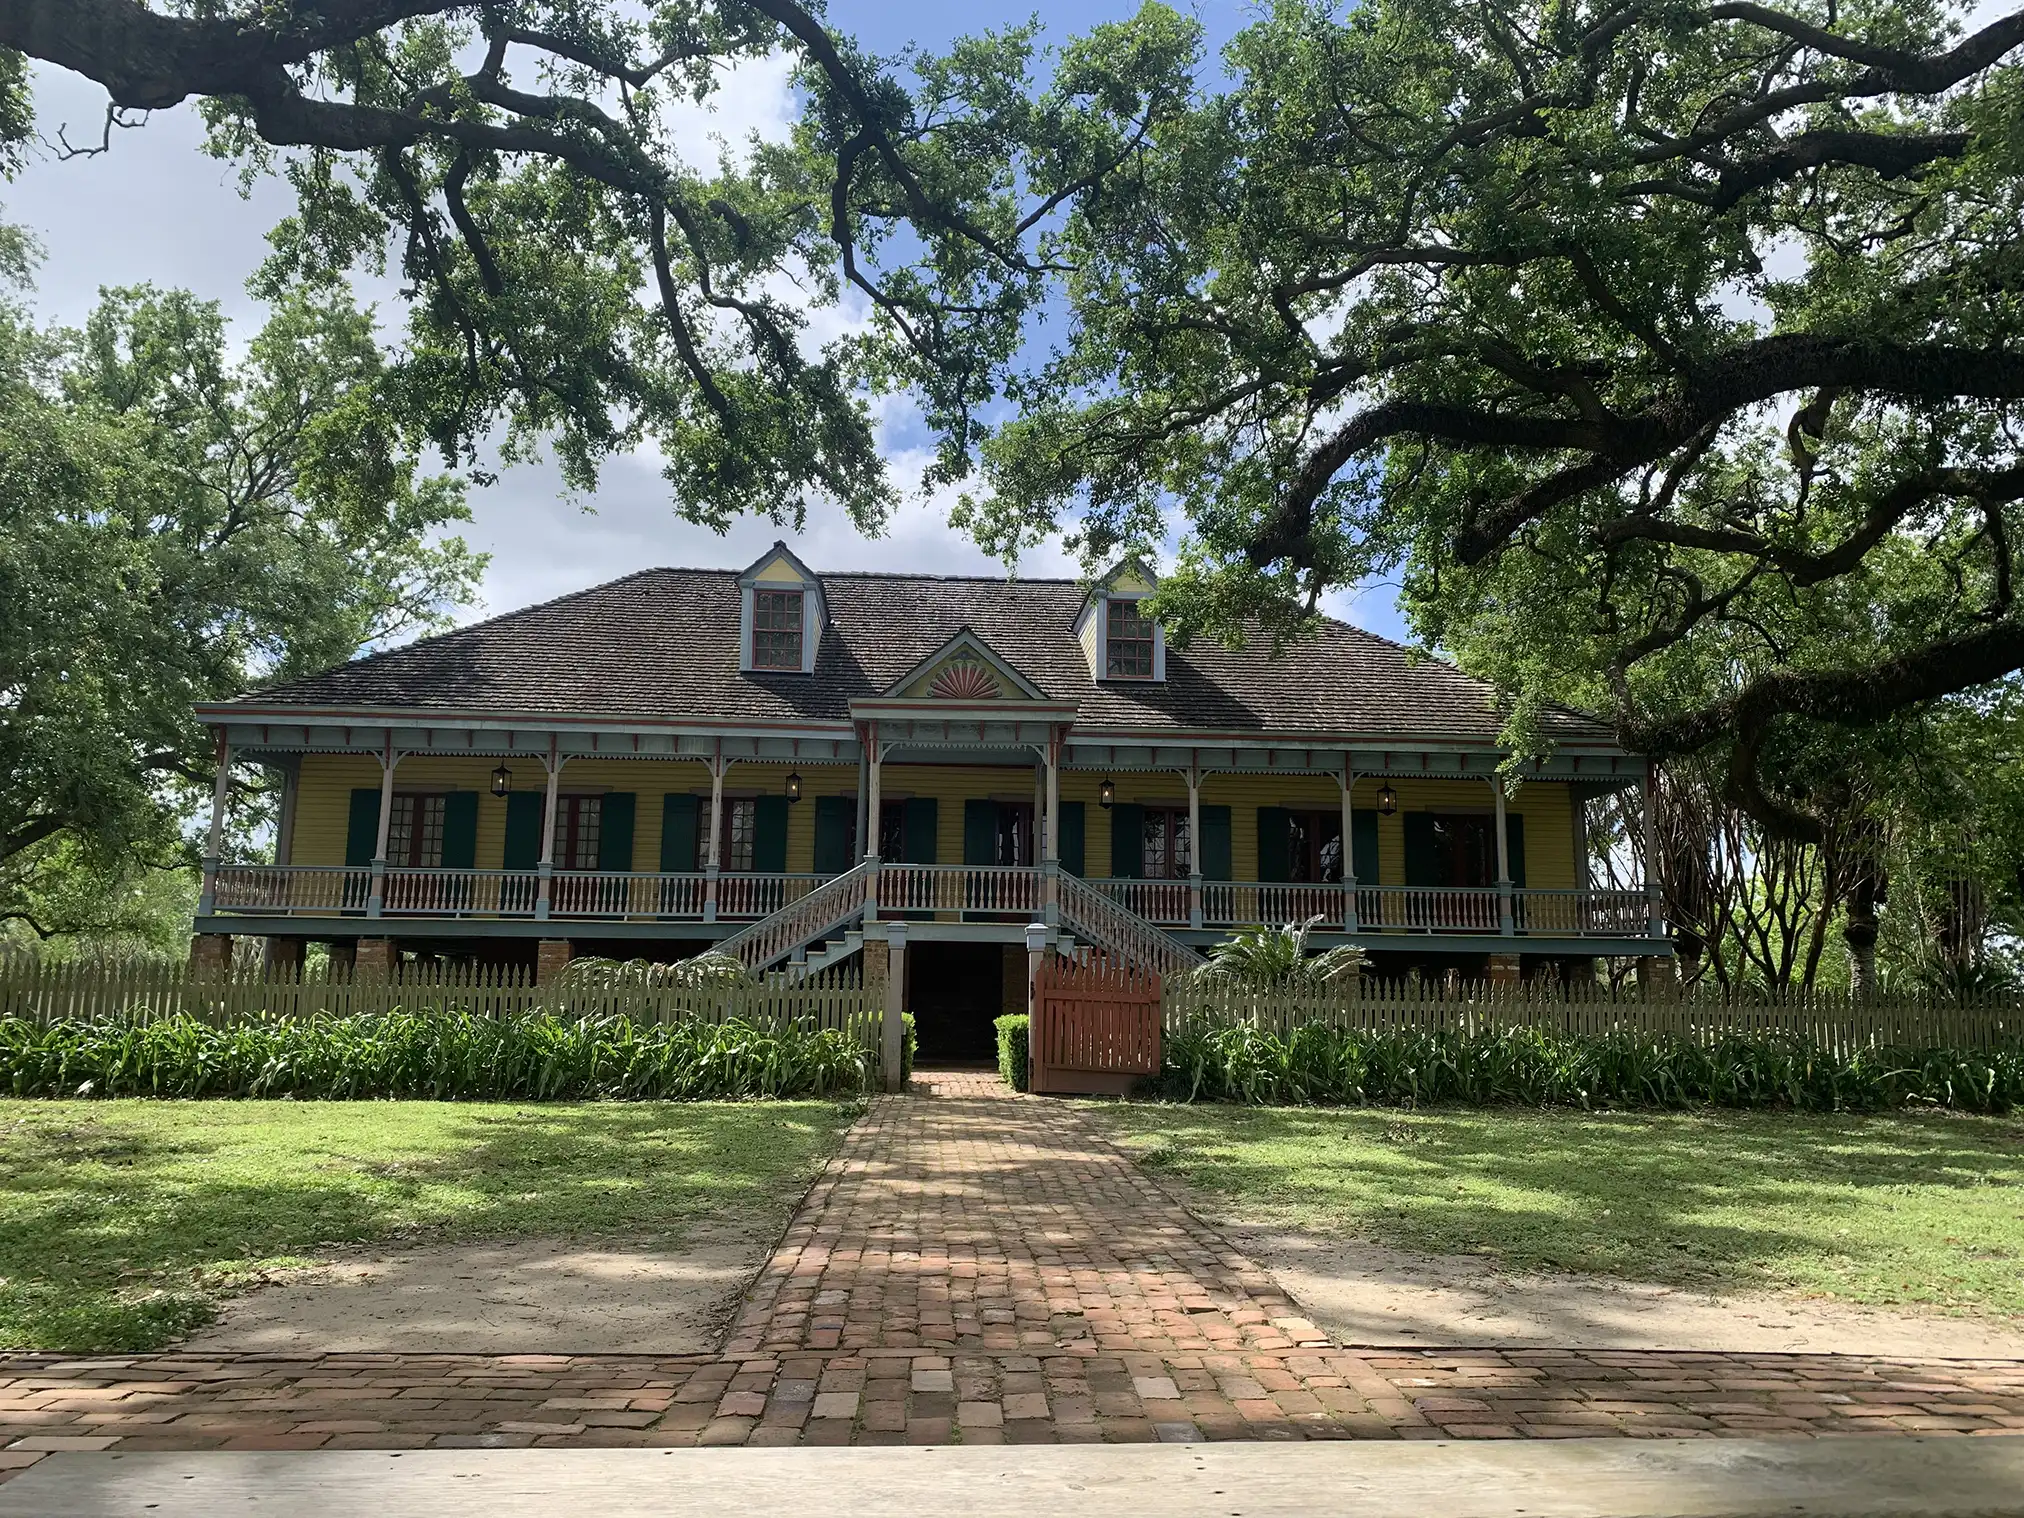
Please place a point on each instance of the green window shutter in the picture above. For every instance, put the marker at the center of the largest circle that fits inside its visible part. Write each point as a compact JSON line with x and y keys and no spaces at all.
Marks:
{"x":980,"y":832}
{"x":1127,"y":842}
{"x":835,"y":821}
{"x":1214,"y":862}
{"x":460,"y":830}
{"x":1423,"y":860}
{"x":769,"y":834}
{"x":615,"y":830}
{"x":1069,"y":835}
{"x":680,"y":829}
{"x":523,"y":830}
{"x":923,"y":817}
{"x":362,"y":828}
{"x":1514,"y":832}
{"x":1274,"y":862}
{"x":1363,"y":847}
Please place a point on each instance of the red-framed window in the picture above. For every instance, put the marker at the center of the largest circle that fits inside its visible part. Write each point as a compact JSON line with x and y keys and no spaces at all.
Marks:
{"x":1314,"y":846}
{"x":1127,"y":641}
{"x":578,"y":825}
{"x":741,"y":832}
{"x":1168,"y":852}
{"x":776,"y":629}
{"x":1465,"y":848}
{"x":415,"y":830}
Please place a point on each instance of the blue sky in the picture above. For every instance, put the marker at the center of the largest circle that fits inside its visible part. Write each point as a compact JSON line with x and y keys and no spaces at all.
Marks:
{"x":156,"y":209}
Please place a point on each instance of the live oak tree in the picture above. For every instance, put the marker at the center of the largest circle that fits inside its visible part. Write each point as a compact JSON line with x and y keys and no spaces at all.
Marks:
{"x":1672,"y":353}
{"x":177,"y":523}
{"x":578,"y":278}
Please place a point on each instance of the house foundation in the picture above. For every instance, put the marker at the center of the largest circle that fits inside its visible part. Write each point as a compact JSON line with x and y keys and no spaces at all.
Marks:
{"x":282,"y":958}
{"x":210,"y":955}
{"x":374,"y":956}
{"x":1506,"y":970}
{"x":551,"y":958}
{"x":1658,"y":977}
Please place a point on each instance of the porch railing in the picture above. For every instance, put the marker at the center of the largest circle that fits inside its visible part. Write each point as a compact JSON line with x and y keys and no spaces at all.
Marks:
{"x":1005,"y":891}
{"x":1009,"y":889}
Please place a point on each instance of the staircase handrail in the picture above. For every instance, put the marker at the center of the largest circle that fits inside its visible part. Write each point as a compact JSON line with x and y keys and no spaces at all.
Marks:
{"x":1089,"y":913}
{"x":821,"y":912}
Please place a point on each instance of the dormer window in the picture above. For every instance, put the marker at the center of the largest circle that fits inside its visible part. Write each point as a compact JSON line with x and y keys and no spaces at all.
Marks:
{"x":776,"y":629}
{"x":1128,"y":641}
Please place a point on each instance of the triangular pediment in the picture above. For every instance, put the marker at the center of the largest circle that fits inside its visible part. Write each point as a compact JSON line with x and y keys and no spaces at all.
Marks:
{"x":964,"y":671}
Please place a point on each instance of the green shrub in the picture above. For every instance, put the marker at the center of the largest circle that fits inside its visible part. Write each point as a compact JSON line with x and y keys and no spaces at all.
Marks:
{"x":1534,"y":1067}
{"x":449,"y":1056}
{"x":910,"y":1044}
{"x":1012,"y":1056}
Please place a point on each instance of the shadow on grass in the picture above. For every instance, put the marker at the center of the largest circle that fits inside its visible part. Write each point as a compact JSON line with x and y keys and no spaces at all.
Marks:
{"x":1897,"y":1208}
{"x":121,"y":1223}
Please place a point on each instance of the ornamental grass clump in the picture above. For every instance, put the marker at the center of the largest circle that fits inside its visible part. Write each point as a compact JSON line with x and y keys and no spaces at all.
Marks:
{"x":430,"y":1055}
{"x":1317,"y":1064}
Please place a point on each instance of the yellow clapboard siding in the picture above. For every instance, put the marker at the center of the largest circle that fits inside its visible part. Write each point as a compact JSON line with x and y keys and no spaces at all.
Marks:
{"x":327,"y":780}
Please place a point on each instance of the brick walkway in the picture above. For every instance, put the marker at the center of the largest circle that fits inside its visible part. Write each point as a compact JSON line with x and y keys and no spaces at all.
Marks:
{"x":980,"y":1269}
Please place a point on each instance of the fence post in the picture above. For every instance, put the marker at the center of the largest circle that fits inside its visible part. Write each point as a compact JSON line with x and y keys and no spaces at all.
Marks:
{"x":1037,"y":935}
{"x":892,"y":1028}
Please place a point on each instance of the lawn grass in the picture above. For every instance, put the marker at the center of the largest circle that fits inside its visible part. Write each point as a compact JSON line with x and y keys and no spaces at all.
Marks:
{"x":1925,"y":1210}
{"x":123,"y":1223}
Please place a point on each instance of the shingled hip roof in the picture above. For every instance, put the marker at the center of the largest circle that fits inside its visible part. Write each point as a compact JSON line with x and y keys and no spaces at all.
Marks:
{"x":663,"y":644}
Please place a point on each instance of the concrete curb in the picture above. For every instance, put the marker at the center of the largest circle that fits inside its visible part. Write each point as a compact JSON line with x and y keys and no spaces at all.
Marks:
{"x":1850,"y":1477}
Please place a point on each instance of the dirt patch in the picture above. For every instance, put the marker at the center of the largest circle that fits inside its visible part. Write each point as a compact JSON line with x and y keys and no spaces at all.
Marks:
{"x":520,"y":1296}
{"x":1366,"y":1294}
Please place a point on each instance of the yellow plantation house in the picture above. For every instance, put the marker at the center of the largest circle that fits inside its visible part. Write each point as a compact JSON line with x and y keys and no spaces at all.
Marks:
{"x":784,"y":763}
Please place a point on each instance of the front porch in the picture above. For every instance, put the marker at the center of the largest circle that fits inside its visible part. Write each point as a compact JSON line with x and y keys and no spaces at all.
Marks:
{"x":958,"y":901}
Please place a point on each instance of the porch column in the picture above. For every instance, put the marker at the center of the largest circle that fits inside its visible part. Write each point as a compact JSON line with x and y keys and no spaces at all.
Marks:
{"x":1505,"y":923}
{"x":714,"y":869}
{"x":214,"y":844}
{"x":869,"y":803}
{"x":543,"y":896}
{"x":284,"y":825}
{"x":1050,"y":867}
{"x":376,"y":902}
{"x":1654,"y":908}
{"x":1194,"y":778}
{"x":1349,"y":920}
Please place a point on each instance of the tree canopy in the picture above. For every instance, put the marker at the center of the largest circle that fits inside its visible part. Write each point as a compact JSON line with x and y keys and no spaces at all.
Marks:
{"x":580,"y":279}
{"x":175,"y":525}
{"x":1670,"y":353}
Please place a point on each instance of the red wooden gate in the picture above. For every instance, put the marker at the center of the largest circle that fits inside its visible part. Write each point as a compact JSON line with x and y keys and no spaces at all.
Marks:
{"x":1096,"y":1026}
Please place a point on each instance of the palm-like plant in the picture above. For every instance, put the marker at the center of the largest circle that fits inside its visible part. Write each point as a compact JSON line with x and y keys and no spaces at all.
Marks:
{"x":705,"y":972}
{"x":1265,"y":956}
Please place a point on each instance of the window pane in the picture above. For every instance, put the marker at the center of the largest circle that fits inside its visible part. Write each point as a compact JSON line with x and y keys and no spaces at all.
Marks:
{"x":741,"y":815}
{"x":581,"y":816}
{"x":1184,"y":853}
{"x":401,"y":831}
{"x":1300,"y":847}
{"x":892,"y":831}
{"x":429,"y":832}
{"x":776,"y":629}
{"x":1128,"y":642}
{"x":1155,"y":858}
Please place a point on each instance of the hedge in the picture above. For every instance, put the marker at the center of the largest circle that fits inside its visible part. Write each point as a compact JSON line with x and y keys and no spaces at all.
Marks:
{"x":1536,"y":1067}
{"x":1012,"y":1057}
{"x":432,"y":1055}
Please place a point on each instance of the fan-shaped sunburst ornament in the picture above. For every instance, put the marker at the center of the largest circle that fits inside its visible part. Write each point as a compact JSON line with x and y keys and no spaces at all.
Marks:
{"x":964,"y":680}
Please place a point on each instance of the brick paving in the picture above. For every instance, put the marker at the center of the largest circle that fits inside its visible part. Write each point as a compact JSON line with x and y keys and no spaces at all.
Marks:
{"x":979,"y":1269}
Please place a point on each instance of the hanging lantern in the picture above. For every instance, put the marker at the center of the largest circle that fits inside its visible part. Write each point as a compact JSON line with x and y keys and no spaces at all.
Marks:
{"x":793,"y":788}
{"x":1106,"y":794}
{"x":502,"y":781}
{"x":1387,"y":800}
